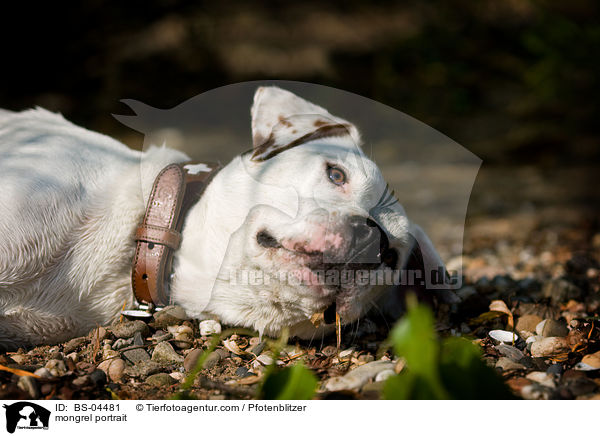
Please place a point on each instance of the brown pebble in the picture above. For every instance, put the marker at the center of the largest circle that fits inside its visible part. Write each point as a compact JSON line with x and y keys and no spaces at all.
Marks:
{"x":191,"y":359}
{"x":526,"y":325}
{"x":548,"y":347}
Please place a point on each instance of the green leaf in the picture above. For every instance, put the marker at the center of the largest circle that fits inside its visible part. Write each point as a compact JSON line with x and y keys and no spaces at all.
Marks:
{"x":464,"y":374}
{"x":438,"y":369}
{"x":414,"y":339}
{"x":291,"y":383}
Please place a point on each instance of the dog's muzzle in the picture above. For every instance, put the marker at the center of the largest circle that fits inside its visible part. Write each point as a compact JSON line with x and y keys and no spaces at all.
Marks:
{"x":369,"y":241}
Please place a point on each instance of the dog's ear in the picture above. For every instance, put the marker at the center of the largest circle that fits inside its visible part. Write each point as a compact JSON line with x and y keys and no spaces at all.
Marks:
{"x":419,"y":264}
{"x":426,"y":265}
{"x":282,"y":120}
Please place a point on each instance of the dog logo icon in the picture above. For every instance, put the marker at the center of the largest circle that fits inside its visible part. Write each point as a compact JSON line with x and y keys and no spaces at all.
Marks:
{"x":26,"y":415}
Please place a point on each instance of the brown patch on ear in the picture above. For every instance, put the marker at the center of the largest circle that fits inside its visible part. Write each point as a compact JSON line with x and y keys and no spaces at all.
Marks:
{"x":319,"y":123}
{"x":284,"y":121}
{"x":269,"y":148}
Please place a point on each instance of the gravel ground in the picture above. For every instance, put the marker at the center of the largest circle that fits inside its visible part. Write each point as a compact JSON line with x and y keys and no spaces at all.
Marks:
{"x":536,"y":273}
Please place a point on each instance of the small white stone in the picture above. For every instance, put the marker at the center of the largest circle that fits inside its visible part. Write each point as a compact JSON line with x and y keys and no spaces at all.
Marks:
{"x":209,"y":327}
{"x":43,"y":373}
{"x":532,"y":339}
{"x":177,"y":375}
{"x":184,"y":329}
{"x":503,"y":336}
{"x":346,"y":353}
{"x":56,"y":367}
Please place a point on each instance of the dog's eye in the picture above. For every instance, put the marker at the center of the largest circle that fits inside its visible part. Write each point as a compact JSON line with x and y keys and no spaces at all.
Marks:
{"x":336,"y":175}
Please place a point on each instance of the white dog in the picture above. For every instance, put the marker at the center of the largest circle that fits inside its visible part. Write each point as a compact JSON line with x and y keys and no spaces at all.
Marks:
{"x":304,"y":200}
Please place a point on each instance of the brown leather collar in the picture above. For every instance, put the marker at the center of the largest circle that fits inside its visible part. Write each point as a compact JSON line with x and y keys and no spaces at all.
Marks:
{"x":176,"y":188}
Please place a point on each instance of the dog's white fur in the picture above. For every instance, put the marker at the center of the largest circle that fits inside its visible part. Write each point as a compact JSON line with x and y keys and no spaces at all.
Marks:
{"x":70,"y":200}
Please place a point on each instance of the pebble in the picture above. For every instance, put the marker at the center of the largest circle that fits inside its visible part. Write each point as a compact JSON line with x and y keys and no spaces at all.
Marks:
{"x":211,"y":360}
{"x":113,"y":368}
{"x":56,"y":367}
{"x":592,"y":359}
{"x":346,"y":353}
{"x":547,"y":347}
{"x":165,"y":354}
{"x":503,"y":336}
{"x":223,"y":353}
{"x":191,"y":359}
{"x":136,"y":355}
{"x":73,"y":356}
{"x":526,"y":325}
{"x":553,"y":327}
{"x":242,"y":372}
{"x":170,"y":315}
{"x":160,"y":380}
{"x":179,"y":376}
{"x":209,"y":327}
{"x":82,"y":381}
{"x":138,"y":339}
{"x":142,"y":369}
{"x":99,"y":333}
{"x":29,"y":385}
{"x":43,"y":373}
{"x":507,"y":364}
{"x":74,"y":344}
{"x":182,"y":336}
{"x":511,"y":352}
{"x":541,"y":378}
{"x":116,"y":369}
{"x":127,"y":329}
{"x":359,"y":376}
{"x":19,"y":359}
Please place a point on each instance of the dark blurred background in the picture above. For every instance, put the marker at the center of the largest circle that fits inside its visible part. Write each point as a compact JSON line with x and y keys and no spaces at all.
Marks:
{"x":515,"y":81}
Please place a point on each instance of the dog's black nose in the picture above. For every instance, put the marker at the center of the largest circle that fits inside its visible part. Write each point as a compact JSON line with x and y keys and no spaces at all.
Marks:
{"x":368,"y":240}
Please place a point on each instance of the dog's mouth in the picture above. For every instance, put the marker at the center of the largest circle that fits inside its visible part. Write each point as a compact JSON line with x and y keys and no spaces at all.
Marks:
{"x":330,"y":261}
{"x":341,"y":292}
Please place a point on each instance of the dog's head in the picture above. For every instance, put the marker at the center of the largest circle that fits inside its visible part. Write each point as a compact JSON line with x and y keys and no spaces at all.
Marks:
{"x":320,"y":229}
